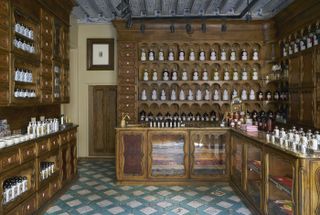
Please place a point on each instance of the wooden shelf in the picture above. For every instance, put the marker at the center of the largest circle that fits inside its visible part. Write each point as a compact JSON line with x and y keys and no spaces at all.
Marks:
{"x":261,"y":62}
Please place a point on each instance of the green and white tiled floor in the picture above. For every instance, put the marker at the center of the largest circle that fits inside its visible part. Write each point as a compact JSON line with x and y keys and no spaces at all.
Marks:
{"x":95,"y":192}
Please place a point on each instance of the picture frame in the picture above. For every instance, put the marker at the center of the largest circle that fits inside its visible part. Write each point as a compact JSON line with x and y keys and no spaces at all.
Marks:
{"x":100,"y":54}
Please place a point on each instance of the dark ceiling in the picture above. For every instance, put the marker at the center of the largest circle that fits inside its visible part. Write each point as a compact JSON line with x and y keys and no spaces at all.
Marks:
{"x":102,"y":11}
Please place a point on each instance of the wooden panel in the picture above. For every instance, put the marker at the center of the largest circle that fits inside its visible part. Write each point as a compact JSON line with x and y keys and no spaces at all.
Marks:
{"x":131,"y":155}
{"x":102,"y":120}
{"x":307,"y":106}
{"x":307,"y":73}
{"x":43,"y":195}
{"x":294,"y":109}
{"x":294,"y":72}
{"x":9,"y":159}
{"x":29,"y":206}
{"x":27,"y":152}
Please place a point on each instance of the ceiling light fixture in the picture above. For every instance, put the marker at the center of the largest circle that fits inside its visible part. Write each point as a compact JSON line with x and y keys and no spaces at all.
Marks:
{"x":189,"y":28}
{"x":172,"y":28}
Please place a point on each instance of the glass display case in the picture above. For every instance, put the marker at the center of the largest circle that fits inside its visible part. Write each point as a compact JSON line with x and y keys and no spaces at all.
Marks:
{"x":280,"y":198}
{"x":168,"y":154}
{"x":237,"y":159}
{"x":208,"y":153}
{"x":254,"y":174}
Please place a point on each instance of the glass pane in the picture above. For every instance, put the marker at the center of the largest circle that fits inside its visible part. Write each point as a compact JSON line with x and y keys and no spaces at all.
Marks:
{"x":280,"y":200}
{"x":209,"y":154}
{"x":168,"y":155}
{"x":237,"y":162}
{"x":254,"y":174}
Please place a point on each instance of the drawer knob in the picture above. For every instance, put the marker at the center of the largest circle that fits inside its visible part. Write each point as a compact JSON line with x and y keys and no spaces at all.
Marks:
{"x":42,"y":147}
{"x":43,"y":194}
{"x":55,"y":185}
{"x":128,"y":63}
{"x":127,"y":97}
{"x":9,"y":160}
{"x":46,"y":82}
{"x":47,"y":17}
{"x":28,"y":152}
{"x":127,"y":46}
{"x":127,"y":88}
{"x":127,"y":80}
{"x":47,"y":43}
{"x":127,"y":105}
{"x":47,"y":96}
{"x":128,"y":54}
{"x":28,"y":207}
{"x":128,"y":71}
{"x":47,"y":31}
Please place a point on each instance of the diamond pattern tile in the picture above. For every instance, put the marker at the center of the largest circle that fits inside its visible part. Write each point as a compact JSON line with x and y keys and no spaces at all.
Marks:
{"x":97,"y":193}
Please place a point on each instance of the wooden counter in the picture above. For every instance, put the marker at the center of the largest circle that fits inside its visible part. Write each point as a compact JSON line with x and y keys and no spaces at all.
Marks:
{"x":25,"y":158}
{"x":272,"y":180}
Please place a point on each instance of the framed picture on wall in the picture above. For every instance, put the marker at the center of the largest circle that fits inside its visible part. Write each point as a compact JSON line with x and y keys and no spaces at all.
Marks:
{"x":100,"y":54}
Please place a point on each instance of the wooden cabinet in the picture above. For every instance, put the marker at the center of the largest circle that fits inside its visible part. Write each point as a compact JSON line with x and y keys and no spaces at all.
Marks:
{"x":127,"y":81}
{"x":209,"y":154}
{"x":29,"y":46}
{"x":132,"y":155}
{"x":26,"y":159}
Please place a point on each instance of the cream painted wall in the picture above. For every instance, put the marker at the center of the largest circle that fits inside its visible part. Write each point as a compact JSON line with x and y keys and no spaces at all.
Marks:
{"x":81,"y":78}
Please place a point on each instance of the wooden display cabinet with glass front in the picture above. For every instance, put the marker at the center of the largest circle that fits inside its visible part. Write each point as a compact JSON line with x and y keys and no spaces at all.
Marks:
{"x":209,"y":154}
{"x":254,"y":173}
{"x":168,"y":154}
{"x":281,"y":190}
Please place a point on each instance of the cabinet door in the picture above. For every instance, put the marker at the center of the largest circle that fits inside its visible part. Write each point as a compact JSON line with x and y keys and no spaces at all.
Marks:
{"x":315,"y":188}
{"x":209,"y":154}
{"x":254,"y":174}
{"x":307,"y":106}
{"x":237,"y":160}
{"x":131,"y":155}
{"x":280,"y":185}
{"x":307,"y":72}
{"x":294,"y":108}
{"x":168,"y":154}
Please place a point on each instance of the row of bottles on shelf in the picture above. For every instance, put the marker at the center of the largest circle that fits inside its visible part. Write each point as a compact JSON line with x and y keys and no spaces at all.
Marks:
{"x":14,"y":187}
{"x":23,"y":75}
{"x":23,"y":45}
{"x":46,"y":170}
{"x":253,"y":121}
{"x":216,"y":96}
{"x":183,"y":117}
{"x":34,"y":129}
{"x":301,"y":42}
{"x":295,"y":140}
{"x":24,"y":30}
{"x":42,"y":127}
{"x":244,"y":56}
{"x":24,"y":93}
{"x":173,"y":76}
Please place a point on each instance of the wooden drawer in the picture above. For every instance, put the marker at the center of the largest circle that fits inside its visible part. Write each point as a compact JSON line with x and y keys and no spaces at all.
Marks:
{"x":129,"y":106}
{"x":9,"y":159}
{"x":126,"y":90}
{"x":127,"y":54}
{"x":72,"y":135}
{"x":46,"y":97}
{"x":127,"y":70}
{"x":126,"y":62}
{"x":124,"y":98}
{"x":27,"y":152}
{"x":4,"y":40}
{"x":4,"y":23}
{"x":46,"y":43}
{"x":54,"y":186}
{"x":64,"y":138}
{"x":46,"y":56}
{"x":46,"y":70}
{"x":29,"y":206}
{"x":126,"y":79}
{"x":42,"y":147}
{"x":43,"y":195}
{"x":46,"y":84}
{"x":127,"y":45}
{"x":54,"y":142}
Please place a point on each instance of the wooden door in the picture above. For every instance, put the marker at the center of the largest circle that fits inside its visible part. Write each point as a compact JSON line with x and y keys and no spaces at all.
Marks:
{"x":102,"y":120}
